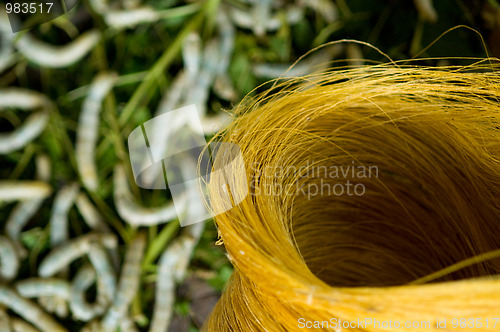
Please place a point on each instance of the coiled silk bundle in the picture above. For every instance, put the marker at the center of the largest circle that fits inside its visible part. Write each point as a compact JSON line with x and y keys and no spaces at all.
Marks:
{"x":373,"y":192}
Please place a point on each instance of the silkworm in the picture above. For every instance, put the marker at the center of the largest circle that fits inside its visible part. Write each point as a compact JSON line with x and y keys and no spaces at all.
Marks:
{"x":128,"y":284}
{"x":158,"y":139}
{"x":171,"y":269}
{"x":25,"y":210}
{"x":19,"y":325}
{"x":325,"y":8}
{"x":222,"y":84}
{"x":224,"y":88}
{"x":202,"y":69}
{"x":5,"y":325}
{"x":7,"y":56}
{"x":99,"y":6}
{"x":245,"y":19}
{"x":259,"y":19}
{"x":37,"y":287}
{"x":227,"y":31}
{"x":64,"y":254}
{"x":88,"y":128}
{"x":23,"y":99}
{"x":200,"y":85}
{"x":426,"y":10}
{"x":54,"y":304}
{"x":48,"y":303}
{"x":133,"y":213}
{"x":32,"y":127}
{"x":214,"y":62}
{"x":313,"y":63}
{"x":95,"y":221}
{"x":191,"y":54}
{"x":105,"y":275}
{"x":59,"y":234}
{"x":9,"y":261}
{"x":59,"y":217}
{"x":128,"y":325}
{"x":80,"y":308}
{"x":261,"y":15}
{"x":46,"y":55}
{"x":29,"y":311}
{"x":90,"y":215}
{"x":129,"y":18}
{"x":43,"y":167}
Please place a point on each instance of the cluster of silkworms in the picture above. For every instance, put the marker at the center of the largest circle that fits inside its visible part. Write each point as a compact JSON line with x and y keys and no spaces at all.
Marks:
{"x":53,"y":294}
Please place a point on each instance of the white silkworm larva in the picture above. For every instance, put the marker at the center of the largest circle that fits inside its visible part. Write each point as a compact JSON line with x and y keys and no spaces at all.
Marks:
{"x":128,"y":325}
{"x":261,"y":15}
{"x":43,"y":167}
{"x":106,"y":277}
{"x":222,"y":83}
{"x":316,"y":61}
{"x":214,"y":62}
{"x":124,"y":18}
{"x":5,"y":325}
{"x":99,"y":6}
{"x":426,"y":10}
{"x":129,"y":18}
{"x":174,"y":94}
{"x":134,"y":213}
{"x":50,"y":56}
{"x":244,"y":19}
{"x":128,"y":284}
{"x":224,"y":88}
{"x":32,"y":127}
{"x":160,"y":134}
{"x":9,"y":261}
{"x":80,"y":308}
{"x":63,"y":255}
{"x":95,"y":221}
{"x":19,"y":325}
{"x":63,"y":201}
{"x":90,"y":215}
{"x":48,"y":303}
{"x":227,"y":32}
{"x":191,"y":55}
{"x":7,"y":56}
{"x":165,"y":290}
{"x":25,"y":210}
{"x":325,"y":8}
{"x":57,"y":305}
{"x":199,"y":86}
{"x":29,"y":311}
{"x":22,"y":99}
{"x":37,"y":287}
{"x":172,"y":267}
{"x":88,"y":128}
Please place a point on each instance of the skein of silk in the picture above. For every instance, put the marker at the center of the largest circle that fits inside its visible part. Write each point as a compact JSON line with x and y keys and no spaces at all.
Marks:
{"x":418,"y":245}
